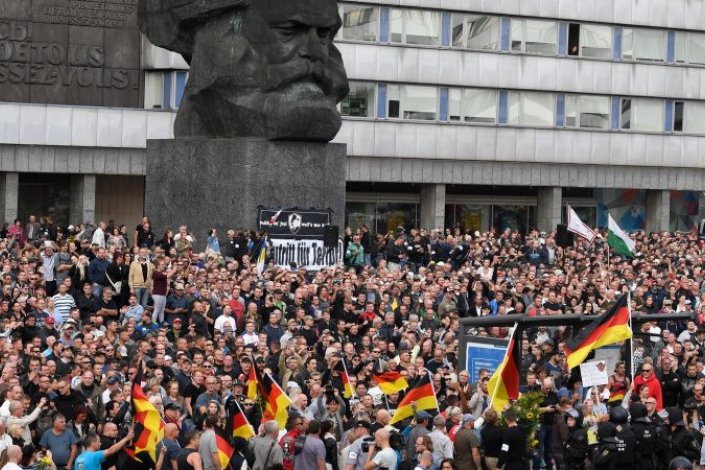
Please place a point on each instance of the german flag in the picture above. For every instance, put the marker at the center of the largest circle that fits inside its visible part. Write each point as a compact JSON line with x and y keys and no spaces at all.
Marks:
{"x":225,"y":448}
{"x":149,"y":426}
{"x":504,"y":383}
{"x":421,"y":397}
{"x":610,"y":328}
{"x":345,"y":377}
{"x":252,"y":380}
{"x":238,"y":425}
{"x":391,"y":382}
{"x":276,"y":403}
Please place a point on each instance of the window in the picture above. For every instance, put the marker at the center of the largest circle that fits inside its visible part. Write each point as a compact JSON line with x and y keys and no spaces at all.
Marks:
{"x":534,"y":36}
{"x":596,"y":41}
{"x":692,"y":116}
{"x":360,"y":102}
{"x":420,"y":27}
{"x":360,"y":22}
{"x":472,"y":105}
{"x":647,"y":45}
{"x":531,"y":109}
{"x":587,"y":111}
{"x":164,"y":89}
{"x":678,"y":116}
{"x":642,"y":114}
{"x":412,"y":102}
{"x":690,"y":48}
{"x":475,"y":32}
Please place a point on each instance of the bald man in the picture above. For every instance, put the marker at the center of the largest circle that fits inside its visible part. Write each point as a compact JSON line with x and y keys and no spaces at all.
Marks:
{"x":381,"y":455}
{"x":108,"y":438}
{"x":173,"y":449}
{"x":382,"y":419}
{"x":14,"y":455}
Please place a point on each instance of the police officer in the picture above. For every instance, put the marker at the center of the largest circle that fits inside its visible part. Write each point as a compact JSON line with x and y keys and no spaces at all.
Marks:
{"x":575,"y":446}
{"x":646,"y":437}
{"x":680,"y":441}
{"x":626,"y":437}
{"x":606,"y":455}
{"x":360,"y":447}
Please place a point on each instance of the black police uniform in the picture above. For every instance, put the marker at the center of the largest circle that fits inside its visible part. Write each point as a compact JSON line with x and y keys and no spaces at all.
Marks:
{"x":575,"y":449}
{"x":606,"y":455}
{"x":646,"y":437}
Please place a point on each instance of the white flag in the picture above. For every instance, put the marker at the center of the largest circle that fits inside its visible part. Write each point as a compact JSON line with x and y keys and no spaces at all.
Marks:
{"x":577,"y":226}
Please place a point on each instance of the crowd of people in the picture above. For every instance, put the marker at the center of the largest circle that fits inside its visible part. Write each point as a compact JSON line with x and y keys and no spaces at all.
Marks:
{"x":86,"y":309}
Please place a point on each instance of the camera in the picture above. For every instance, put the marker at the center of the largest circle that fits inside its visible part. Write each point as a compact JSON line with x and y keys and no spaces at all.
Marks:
{"x":367,"y":442}
{"x":397,"y":441}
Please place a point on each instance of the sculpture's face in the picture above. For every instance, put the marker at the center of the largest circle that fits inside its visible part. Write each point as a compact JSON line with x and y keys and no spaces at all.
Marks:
{"x":270,"y":70}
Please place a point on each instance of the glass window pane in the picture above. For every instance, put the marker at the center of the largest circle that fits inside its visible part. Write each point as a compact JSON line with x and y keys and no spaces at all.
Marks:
{"x":571,"y":111}
{"x":594,"y":112}
{"x":480,"y":106}
{"x":645,"y":44}
{"x":626,"y":117}
{"x":516,"y":26}
{"x":694,"y":119}
{"x":360,"y":102}
{"x":537,"y":109}
{"x":483,"y":32}
{"x":647,"y":115}
{"x":596,"y":41}
{"x":154,"y":90}
{"x":681,"y":51}
{"x":457,"y":21}
{"x":360,"y":22}
{"x":422,"y":27}
{"x":678,"y":116}
{"x":420,"y":102}
{"x":540,"y":36}
{"x":395,"y":25}
{"x":514,"y":105}
{"x":627,"y":44}
{"x":696,"y":48}
{"x":454,"y":104}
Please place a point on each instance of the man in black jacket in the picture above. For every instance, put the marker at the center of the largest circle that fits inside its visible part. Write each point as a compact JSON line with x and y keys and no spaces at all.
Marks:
{"x":513,"y":452}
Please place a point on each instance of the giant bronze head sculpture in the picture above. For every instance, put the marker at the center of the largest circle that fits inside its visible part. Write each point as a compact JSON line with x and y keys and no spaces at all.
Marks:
{"x":259,"y":68}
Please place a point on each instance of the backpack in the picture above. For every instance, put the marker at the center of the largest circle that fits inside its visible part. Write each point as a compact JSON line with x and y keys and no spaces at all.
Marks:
{"x":299,"y":444}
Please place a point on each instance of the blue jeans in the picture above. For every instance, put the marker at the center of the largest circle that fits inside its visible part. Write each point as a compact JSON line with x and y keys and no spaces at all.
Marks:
{"x":544,"y":449}
{"x":97,"y":290}
{"x":142,"y":294}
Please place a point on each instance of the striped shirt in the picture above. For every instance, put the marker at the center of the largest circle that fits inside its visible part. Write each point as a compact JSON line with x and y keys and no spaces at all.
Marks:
{"x":64,"y":304}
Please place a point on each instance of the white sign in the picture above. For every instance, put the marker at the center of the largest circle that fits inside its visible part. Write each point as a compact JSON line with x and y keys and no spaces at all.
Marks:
{"x":594,"y":373}
{"x":309,"y":254}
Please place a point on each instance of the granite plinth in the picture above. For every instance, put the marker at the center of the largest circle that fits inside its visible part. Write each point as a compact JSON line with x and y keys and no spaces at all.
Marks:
{"x":220,"y":183}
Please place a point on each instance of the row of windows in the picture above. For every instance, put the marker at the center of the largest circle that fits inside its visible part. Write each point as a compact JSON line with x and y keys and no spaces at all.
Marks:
{"x":370,"y":23}
{"x":522,"y":108}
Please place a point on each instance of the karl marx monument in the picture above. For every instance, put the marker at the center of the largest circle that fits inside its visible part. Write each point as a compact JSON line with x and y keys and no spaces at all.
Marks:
{"x":257,"y":115}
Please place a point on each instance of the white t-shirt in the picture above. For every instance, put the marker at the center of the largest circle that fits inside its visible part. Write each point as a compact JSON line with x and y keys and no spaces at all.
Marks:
{"x":11,"y":466}
{"x":222,"y":320}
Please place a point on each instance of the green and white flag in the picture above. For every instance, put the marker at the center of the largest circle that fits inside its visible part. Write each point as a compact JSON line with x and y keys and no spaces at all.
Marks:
{"x":618,"y":239}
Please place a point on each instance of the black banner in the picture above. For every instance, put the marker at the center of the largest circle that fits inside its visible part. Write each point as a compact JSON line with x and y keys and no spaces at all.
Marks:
{"x":293,"y":223}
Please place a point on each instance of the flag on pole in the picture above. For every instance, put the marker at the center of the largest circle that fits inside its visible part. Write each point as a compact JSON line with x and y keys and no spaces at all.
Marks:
{"x":421,"y":397}
{"x":504,"y":383}
{"x":578,"y":227}
{"x":610,"y":328}
{"x":253,"y":379}
{"x":275,"y":400}
{"x":618,"y":240}
{"x":237,"y":423}
{"x":148,"y":425}
{"x":391,"y":382}
{"x":225,"y":448}
{"x":262,"y":254}
{"x":345,"y":377}
{"x":274,"y":218}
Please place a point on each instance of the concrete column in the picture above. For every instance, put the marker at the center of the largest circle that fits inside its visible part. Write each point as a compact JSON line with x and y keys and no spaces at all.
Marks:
{"x":548,"y":208}
{"x":658,"y":210}
{"x":82,"y":207}
{"x":433,"y":205}
{"x":9,"y":195}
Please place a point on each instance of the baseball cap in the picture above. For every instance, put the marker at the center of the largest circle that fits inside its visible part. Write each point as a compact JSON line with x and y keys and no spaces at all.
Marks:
{"x":466,"y":419}
{"x":362,"y":424}
{"x":49,"y":320}
{"x":113,"y":380}
{"x":179,"y":320}
{"x":423,"y":415}
{"x":172,"y":406}
{"x":179,"y":286}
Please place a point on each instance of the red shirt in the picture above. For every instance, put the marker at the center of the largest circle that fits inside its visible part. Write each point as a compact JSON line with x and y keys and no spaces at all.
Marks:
{"x":158,"y":283}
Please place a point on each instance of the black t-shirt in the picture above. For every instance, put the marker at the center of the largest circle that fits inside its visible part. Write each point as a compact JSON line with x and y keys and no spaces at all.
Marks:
{"x":554,"y":307}
{"x":144,"y":238}
{"x":193,"y":392}
{"x":551,"y":399}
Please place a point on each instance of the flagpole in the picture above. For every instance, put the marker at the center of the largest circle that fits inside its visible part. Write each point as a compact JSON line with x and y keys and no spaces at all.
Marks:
{"x":494,"y":392}
{"x":386,"y":402}
{"x":430,"y":379}
{"x":631,"y":343}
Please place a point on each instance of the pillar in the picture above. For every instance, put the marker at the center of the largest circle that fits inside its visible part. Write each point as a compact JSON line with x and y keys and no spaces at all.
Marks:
{"x":82,"y":208}
{"x":9,"y":195}
{"x":658,"y":210}
{"x":548,"y":208}
{"x":433,"y":205}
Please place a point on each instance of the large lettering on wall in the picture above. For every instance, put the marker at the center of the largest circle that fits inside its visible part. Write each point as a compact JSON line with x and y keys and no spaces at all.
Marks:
{"x":80,"y":52}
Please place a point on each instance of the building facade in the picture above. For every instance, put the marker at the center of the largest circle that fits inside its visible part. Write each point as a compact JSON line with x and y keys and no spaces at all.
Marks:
{"x":467,"y":113}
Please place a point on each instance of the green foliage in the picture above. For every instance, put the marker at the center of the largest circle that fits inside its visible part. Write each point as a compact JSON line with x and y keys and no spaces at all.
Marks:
{"x":528,"y":416}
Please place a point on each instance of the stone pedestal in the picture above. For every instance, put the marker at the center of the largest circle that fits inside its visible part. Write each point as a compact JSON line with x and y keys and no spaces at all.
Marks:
{"x":220,"y":183}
